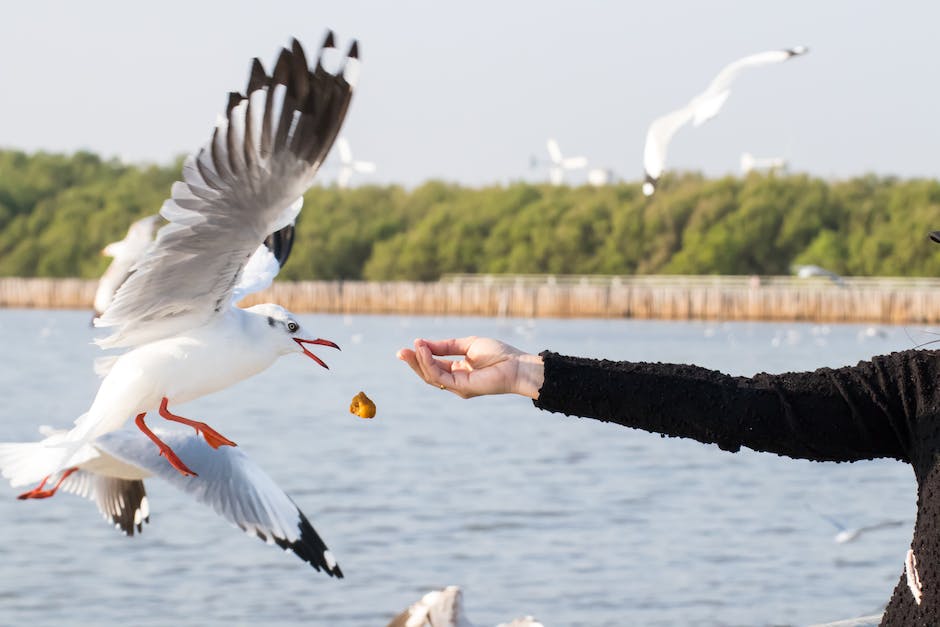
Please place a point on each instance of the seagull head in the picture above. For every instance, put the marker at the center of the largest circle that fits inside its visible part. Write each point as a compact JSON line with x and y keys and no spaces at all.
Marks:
{"x":287,"y":333}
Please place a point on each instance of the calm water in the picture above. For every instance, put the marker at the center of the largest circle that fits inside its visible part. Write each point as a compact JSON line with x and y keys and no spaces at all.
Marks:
{"x":573,"y":521}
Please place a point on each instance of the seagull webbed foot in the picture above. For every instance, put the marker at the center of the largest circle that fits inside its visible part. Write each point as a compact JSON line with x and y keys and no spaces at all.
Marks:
{"x":39,"y":493}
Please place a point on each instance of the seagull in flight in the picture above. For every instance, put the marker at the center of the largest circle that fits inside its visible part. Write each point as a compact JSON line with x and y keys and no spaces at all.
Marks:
{"x":699,"y":110}
{"x":348,"y":165}
{"x":810,"y":271}
{"x":229,"y":482}
{"x":560,"y":164}
{"x":176,"y":314}
{"x":850,"y":534}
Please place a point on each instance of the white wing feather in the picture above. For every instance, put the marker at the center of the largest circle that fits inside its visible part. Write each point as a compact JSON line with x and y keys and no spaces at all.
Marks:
{"x":125,"y":254}
{"x":345,"y":153}
{"x":554,"y":151}
{"x":658,"y":137}
{"x":707,"y":108}
{"x":726,"y":76}
{"x":258,"y":273}
{"x":228,"y":481}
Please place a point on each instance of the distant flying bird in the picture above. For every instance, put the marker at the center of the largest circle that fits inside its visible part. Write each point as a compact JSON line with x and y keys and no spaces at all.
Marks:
{"x":598,"y":177}
{"x":124,"y":254}
{"x":699,"y":110}
{"x":444,"y":608}
{"x":348,"y":165}
{"x":176,"y":312}
{"x":558,"y":164}
{"x":229,"y":482}
{"x":850,"y":534}
{"x":749,"y":162}
{"x":806,"y":272}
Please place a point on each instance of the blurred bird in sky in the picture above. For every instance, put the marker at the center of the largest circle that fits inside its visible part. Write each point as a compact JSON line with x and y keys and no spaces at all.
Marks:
{"x":749,"y":163}
{"x":699,"y":110}
{"x":558,"y":164}
{"x":348,"y":165}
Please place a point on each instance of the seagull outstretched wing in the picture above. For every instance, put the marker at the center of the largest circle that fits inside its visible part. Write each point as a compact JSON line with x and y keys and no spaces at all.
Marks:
{"x":228,"y":481}
{"x":239,"y":188}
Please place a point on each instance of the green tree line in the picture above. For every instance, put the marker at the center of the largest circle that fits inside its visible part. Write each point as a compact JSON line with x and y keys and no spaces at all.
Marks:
{"x":58,"y":211}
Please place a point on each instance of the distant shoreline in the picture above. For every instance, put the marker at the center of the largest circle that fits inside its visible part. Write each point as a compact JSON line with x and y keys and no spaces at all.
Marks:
{"x":858,"y":300}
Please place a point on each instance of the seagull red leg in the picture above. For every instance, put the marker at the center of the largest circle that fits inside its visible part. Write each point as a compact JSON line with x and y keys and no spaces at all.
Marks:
{"x":37,"y":490}
{"x":39,"y":493}
{"x":165,"y":450}
{"x":213,"y":437}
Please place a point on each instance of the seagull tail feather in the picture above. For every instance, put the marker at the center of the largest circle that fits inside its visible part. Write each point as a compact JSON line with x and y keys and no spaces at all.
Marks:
{"x":24,"y":463}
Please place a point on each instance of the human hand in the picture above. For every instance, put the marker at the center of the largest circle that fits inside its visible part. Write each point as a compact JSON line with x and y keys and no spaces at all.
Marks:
{"x":488,"y":366}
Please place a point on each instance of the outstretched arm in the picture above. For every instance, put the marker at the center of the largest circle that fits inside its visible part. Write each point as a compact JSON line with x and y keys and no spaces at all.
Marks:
{"x":873,"y":409}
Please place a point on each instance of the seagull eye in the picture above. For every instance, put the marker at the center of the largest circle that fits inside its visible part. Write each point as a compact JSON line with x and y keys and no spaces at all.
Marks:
{"x":292,"y":326}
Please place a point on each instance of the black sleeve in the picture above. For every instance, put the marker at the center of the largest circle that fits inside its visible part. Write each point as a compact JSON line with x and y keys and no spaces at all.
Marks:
{"x":859,"y":412}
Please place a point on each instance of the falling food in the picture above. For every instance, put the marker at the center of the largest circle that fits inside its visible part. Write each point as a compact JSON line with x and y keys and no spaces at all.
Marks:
{"x":362,"y":406}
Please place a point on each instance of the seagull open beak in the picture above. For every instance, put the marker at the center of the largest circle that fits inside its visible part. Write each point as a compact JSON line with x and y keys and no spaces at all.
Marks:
{"x":301,"y":342}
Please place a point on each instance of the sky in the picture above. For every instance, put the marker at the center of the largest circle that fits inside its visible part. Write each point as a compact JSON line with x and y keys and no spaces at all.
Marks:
{"x":469,"y":92}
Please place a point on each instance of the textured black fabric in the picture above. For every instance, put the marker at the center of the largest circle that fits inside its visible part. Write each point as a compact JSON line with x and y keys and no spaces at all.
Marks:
{"x":886,"y":407}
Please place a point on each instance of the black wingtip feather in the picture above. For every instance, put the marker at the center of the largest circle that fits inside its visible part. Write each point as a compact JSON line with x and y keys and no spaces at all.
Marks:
{"x":298,"y":51}
{"x":935,"y":236}
{"x":233,"y":99}
{"x":281,"y":72}
{"x":300,"y":58}
{"x":310,"y":548}
{"x":300,"y":75}
{"x":133,"y":494}
{"x":319,"y":96}
{"x":258,"y":78}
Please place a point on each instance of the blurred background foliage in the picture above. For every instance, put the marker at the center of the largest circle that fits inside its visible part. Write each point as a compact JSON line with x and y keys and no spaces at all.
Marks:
{"x":58,"y":211}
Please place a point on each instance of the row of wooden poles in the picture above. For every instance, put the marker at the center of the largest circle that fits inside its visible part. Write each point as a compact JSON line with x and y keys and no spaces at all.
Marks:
{"x":710,"y":298}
